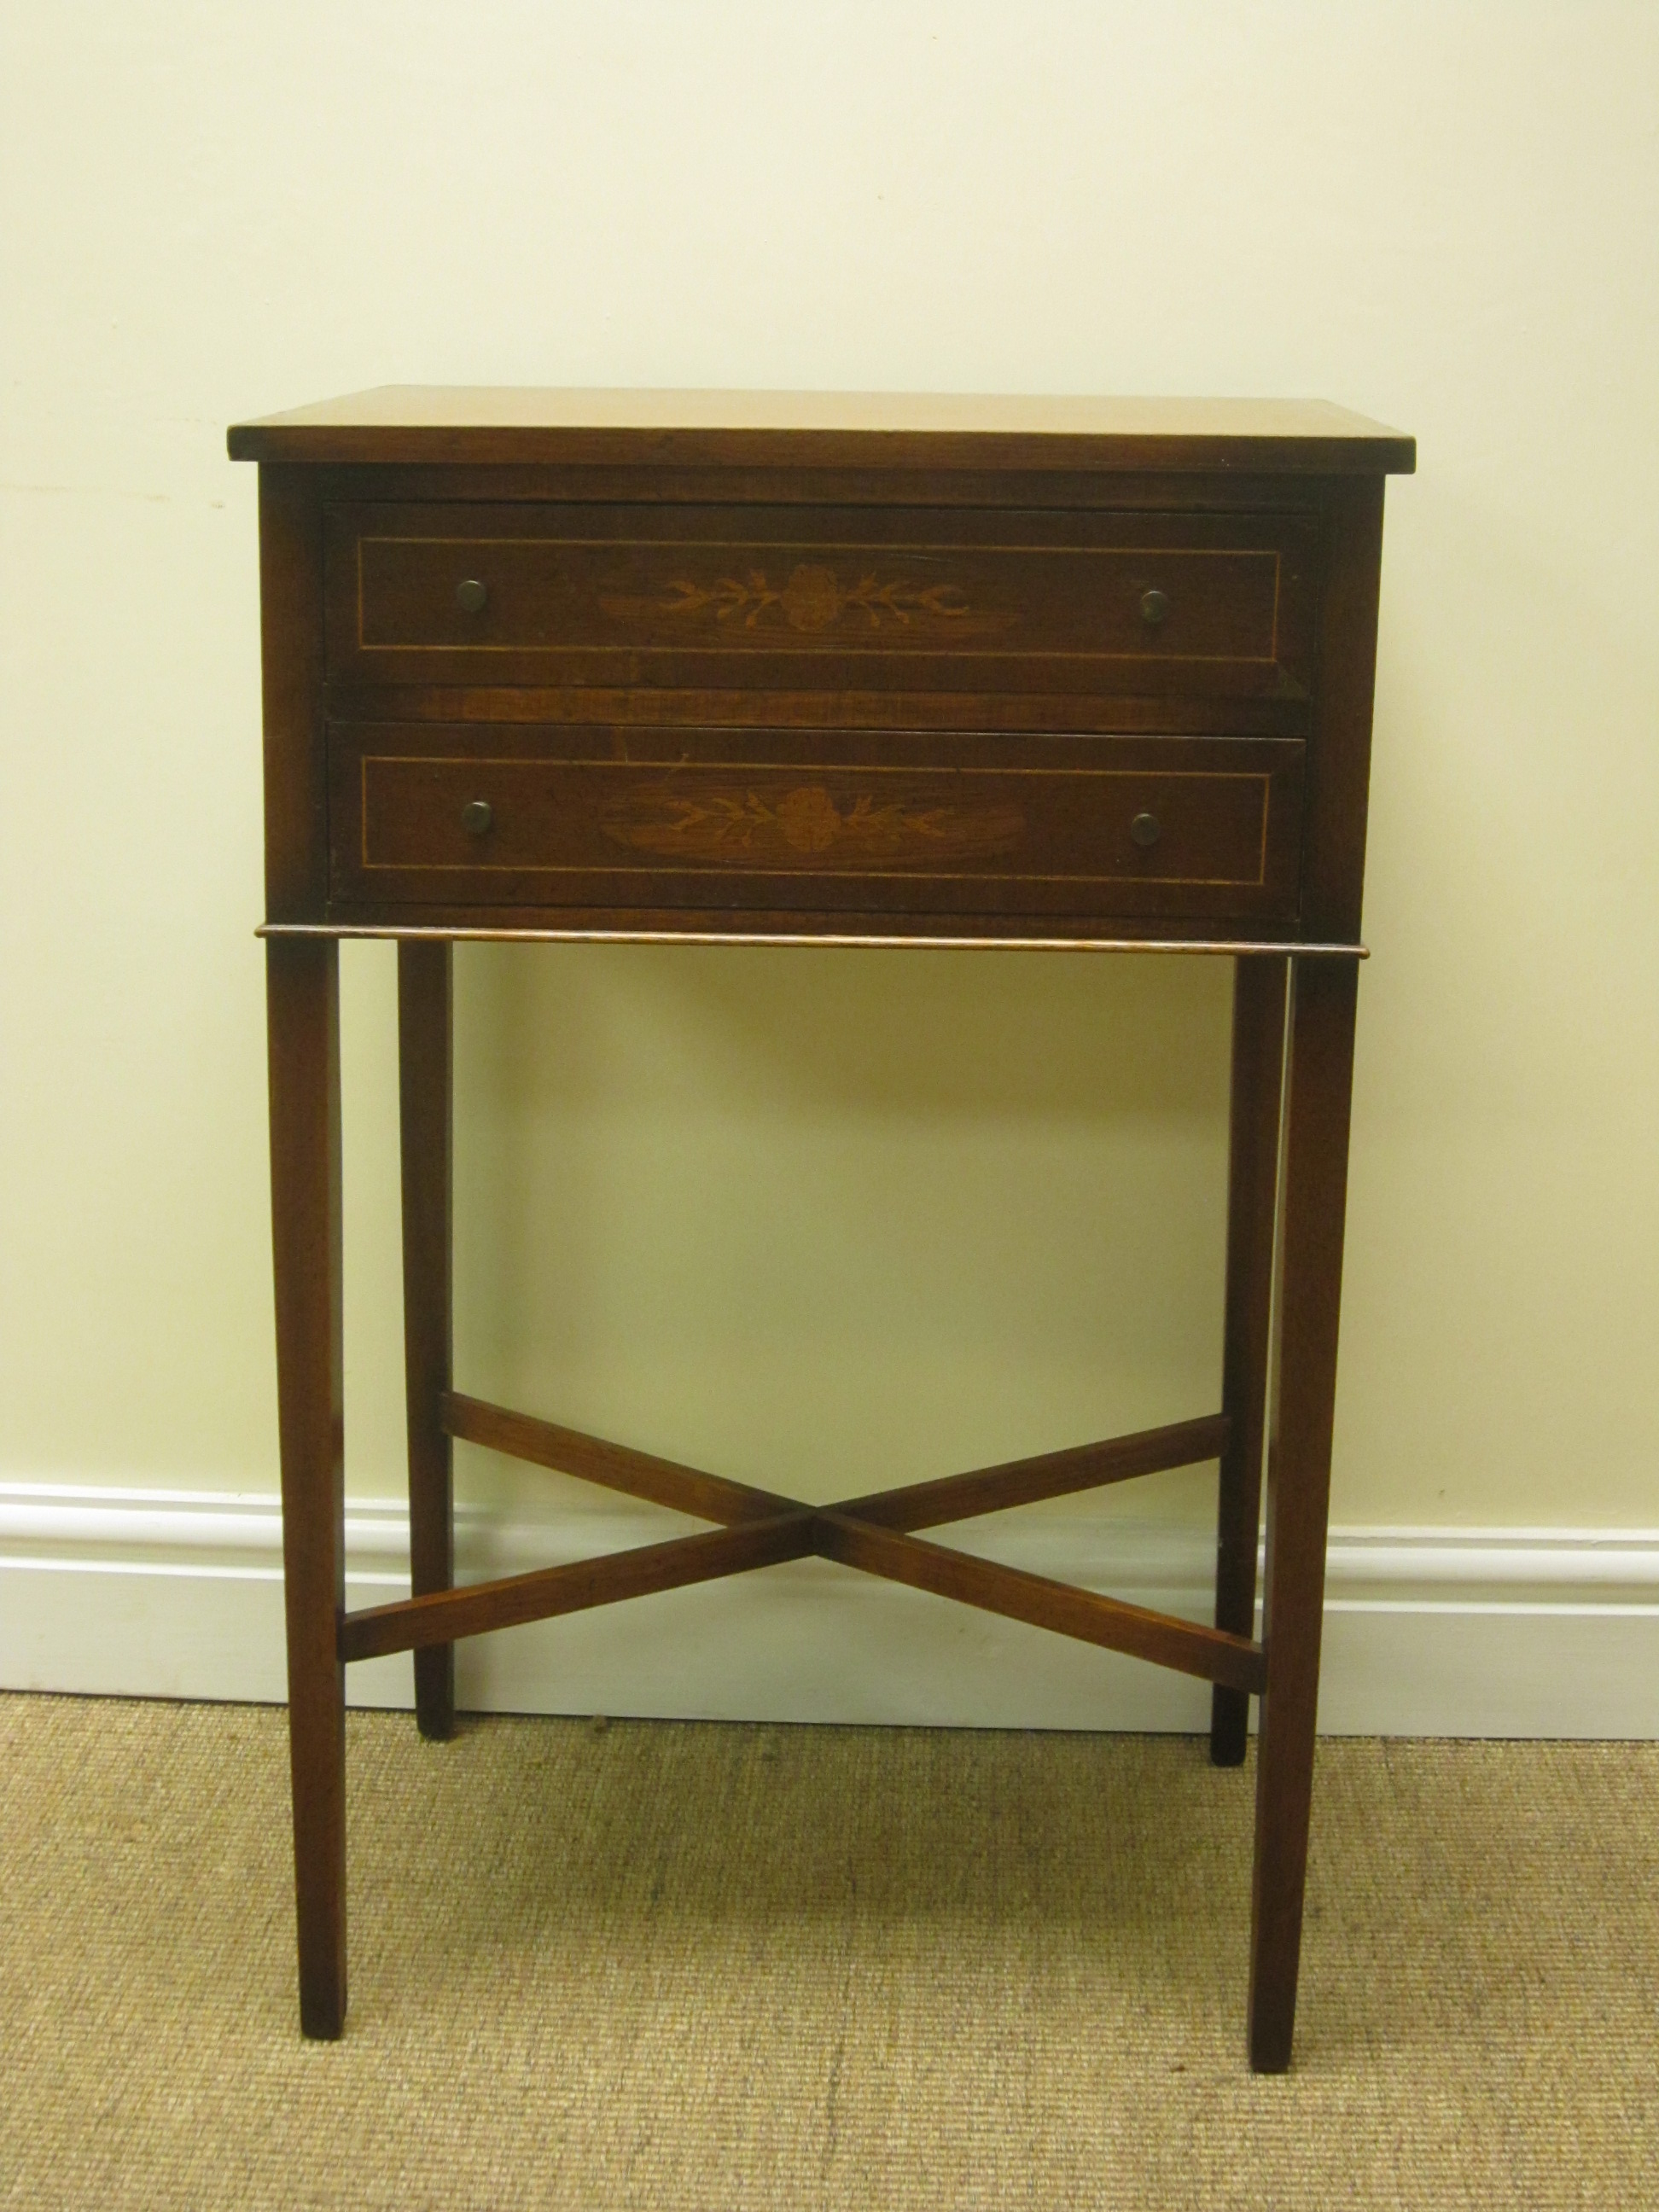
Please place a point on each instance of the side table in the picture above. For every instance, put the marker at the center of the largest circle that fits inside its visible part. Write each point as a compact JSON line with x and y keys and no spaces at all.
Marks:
{"x":741,"y":668}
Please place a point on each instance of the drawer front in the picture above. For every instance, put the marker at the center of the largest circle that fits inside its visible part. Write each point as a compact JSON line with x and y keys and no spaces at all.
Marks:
{"x":798,"y":598}
{"x":482,"y":816}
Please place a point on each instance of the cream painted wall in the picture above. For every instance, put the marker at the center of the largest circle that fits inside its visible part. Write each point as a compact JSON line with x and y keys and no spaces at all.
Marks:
{"x":835,"y":1219}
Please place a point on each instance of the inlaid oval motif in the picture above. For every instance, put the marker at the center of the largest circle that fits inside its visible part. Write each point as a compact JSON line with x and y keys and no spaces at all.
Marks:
{"x":814,"y":598}
{"x":808,"y":823}
{"x":810,"y":819}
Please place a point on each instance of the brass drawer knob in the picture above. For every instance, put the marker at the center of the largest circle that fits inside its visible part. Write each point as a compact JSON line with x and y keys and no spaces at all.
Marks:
{"x":1145,"y":830}
{"x":476,"y":815}
{"x":1154,"y":607}
{"x":469,"y":596}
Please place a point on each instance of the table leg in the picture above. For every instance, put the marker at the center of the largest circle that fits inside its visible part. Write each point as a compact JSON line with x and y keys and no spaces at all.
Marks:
{"x":1252,"y":1204}
{"x":1322,"y":994}
{"x":424,"y":997}
{"x":302,"y":1009}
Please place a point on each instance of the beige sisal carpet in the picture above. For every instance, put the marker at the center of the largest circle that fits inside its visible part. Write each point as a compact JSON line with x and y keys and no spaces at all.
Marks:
{"x":682,"y":1966}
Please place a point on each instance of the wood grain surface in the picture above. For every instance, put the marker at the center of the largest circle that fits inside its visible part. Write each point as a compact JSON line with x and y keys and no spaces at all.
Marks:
{"x":530,"y":425}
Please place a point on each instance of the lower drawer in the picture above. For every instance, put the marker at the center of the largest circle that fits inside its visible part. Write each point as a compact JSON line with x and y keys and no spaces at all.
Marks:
{"x":864,"y":821}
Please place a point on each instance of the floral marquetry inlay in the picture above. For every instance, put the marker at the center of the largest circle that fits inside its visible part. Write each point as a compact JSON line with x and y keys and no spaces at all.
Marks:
{"x":814,"y":598}
{"x":809,"y":823}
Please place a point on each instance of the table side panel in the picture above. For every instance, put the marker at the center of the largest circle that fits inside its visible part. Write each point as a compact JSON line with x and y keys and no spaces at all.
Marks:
{"x":1340,"y":755}
{"x":291,"y":643}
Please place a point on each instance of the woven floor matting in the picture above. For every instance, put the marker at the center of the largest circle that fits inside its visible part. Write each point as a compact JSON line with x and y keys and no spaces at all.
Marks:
{"x":706,"y":1965}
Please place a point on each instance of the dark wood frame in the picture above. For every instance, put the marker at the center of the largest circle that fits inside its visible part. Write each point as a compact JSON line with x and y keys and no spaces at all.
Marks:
{"x":1292,"y":1074}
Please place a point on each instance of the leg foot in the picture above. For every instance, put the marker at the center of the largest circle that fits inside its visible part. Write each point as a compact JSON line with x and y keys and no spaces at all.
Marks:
{"x":1230,"y":1726}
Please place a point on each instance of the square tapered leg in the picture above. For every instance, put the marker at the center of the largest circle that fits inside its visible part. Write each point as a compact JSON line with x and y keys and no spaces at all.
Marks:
{"x":424,"y":1050}
{"x":303,"y":1002}
{"x":1323,"y":995}
{"x":1259,"y":988}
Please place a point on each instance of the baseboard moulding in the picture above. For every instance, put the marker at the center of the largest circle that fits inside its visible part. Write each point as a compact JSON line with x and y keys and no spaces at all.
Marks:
{"x":149,"y":1592}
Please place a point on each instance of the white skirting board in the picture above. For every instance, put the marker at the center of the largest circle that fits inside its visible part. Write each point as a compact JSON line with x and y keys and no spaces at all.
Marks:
{"x":1428,"y":1631}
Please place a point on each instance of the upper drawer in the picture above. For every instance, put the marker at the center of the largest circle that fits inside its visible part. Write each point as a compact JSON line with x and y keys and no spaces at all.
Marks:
{"x":822,"y":598}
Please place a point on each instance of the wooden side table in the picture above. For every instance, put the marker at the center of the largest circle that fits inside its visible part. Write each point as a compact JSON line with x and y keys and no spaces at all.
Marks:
{"x":814,"y":670}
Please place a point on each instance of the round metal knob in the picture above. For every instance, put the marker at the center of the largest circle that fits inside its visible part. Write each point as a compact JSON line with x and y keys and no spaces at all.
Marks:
{"x":1154,"y":607}
{"x":476,"y":815}
{"x":1145,"y":830}
{"x":469,"y":597}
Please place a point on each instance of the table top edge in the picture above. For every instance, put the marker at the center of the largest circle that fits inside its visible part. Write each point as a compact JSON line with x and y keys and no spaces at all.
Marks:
{"x":412,"y":425}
